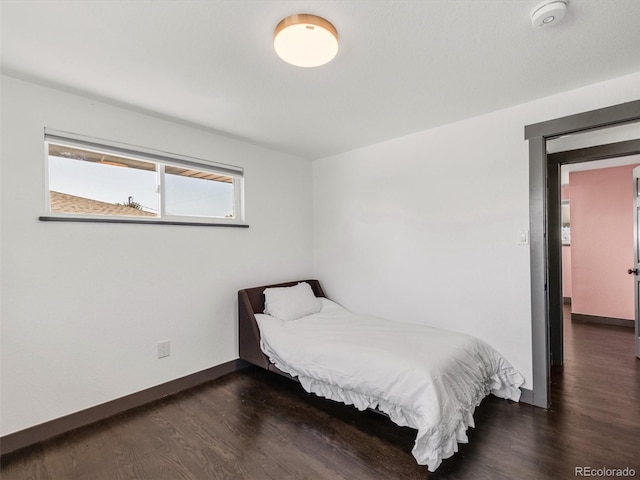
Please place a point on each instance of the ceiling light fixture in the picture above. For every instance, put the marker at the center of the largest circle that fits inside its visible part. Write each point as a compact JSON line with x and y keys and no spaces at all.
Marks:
{"x":548,"y":12}
{"x":305,"y":40}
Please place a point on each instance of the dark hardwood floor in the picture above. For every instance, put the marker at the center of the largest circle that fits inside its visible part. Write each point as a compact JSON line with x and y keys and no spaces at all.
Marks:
{"x":256,"y":425}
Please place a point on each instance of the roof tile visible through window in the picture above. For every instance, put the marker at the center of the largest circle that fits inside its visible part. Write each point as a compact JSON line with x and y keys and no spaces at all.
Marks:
{"x":64,"y":203}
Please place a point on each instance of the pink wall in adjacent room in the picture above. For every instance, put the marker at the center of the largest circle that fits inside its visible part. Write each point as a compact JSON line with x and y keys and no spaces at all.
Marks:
{"x":602,"y":242}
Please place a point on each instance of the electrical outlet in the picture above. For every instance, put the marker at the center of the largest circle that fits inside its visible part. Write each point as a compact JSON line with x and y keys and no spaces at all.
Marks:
{"x":164,"y":349}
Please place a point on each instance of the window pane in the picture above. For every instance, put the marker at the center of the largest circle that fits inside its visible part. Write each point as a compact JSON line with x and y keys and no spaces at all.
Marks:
{"x":89,"y":182}
{"x":198,"y":193}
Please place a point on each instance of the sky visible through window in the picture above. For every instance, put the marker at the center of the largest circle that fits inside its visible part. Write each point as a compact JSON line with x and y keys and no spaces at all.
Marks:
{"x":115,"y":184}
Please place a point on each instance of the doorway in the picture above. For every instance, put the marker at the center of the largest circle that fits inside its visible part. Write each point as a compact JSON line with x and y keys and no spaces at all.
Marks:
{"x":545,"y":225}
{"x":598,"y":251}
{"x":623,"y":153}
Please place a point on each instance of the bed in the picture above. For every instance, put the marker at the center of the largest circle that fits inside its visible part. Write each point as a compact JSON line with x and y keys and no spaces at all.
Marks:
{"x":425,"y":378}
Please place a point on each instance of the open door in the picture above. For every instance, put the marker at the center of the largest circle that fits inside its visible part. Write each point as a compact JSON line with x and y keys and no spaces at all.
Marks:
{"x":635,"y":271}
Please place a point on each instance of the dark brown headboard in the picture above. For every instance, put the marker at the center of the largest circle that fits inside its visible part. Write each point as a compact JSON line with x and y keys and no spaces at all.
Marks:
{"x":250,"y":302}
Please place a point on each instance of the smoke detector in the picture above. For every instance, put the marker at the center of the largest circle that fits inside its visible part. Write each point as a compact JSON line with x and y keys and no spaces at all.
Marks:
{"x":548,"y":12}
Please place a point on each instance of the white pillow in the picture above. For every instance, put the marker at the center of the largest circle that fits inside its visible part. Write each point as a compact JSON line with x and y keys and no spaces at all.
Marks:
{"x":291,"y":303}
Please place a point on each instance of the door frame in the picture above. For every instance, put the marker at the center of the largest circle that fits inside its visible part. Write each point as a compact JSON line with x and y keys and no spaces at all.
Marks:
{"x":636,"y":257}
{"x":545,"y":228}
{"x":555,"y":162}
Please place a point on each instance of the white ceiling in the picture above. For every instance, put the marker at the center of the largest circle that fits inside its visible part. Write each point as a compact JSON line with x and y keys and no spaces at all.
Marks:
{"x":403,"y":65}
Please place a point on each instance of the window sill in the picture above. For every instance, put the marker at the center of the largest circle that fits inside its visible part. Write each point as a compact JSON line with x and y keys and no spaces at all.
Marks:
{"x":141,"y":222}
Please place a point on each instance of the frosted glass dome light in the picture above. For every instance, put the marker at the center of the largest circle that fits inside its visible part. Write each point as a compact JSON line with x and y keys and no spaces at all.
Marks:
{"x":305,"y":40}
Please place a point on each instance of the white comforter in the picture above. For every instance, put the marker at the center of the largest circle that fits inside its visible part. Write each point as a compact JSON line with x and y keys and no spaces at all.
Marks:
{"x":422,"y":377}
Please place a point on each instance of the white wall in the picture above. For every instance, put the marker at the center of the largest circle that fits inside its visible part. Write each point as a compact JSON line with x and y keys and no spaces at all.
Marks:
{"x":422,"y":228}
{"x":425,"y":227}
{"x":84,"y":304}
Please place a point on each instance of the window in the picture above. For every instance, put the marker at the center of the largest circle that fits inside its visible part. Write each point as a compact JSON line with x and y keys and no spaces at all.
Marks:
{"x":96,"y":180}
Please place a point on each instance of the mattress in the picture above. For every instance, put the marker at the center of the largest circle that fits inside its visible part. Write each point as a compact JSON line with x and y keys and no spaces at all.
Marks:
{"x":425,"y":378}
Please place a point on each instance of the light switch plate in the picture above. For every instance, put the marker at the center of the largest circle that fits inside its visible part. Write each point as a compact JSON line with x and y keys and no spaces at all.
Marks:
{"x":523,"y":237}
{"x":164,"y":349}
